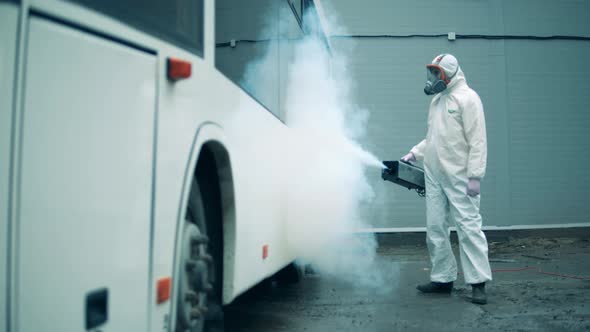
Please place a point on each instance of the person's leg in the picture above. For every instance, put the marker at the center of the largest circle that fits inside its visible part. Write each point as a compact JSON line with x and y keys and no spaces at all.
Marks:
{"x":444,"y":265}
{"x":472,"y":241}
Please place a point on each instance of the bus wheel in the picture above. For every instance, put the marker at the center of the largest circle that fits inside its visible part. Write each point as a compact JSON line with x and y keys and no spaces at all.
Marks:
{"x":196,"y":274}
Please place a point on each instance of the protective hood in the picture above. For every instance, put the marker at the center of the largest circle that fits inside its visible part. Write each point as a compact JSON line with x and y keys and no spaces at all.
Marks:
{"x":459,"y":79}
{"x":443,"y":70}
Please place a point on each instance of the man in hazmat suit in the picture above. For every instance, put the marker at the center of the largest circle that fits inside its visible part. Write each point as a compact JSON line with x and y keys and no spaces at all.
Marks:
{"x":454,"y":154}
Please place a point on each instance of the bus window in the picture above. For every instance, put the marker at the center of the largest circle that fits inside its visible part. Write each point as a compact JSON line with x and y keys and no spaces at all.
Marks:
{"x":297,"y":7}
{"x":254,"y":45}
{"x":177,"y":21}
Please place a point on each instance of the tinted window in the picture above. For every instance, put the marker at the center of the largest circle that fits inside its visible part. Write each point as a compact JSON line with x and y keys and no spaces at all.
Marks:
{"x":255,"y":43}
{"x":177,"y":21}
{"x":297,"y":7}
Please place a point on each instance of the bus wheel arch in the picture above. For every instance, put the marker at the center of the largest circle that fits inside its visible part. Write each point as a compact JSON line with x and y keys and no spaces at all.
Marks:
{"x":208,"y":203}
{"x":214,"y":172}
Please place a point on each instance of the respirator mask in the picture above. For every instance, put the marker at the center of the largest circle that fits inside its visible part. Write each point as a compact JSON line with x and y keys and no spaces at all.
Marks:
{"x":436,"y":79}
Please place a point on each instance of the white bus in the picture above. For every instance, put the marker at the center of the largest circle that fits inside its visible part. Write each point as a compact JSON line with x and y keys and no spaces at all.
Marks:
{"x":125,"y":204}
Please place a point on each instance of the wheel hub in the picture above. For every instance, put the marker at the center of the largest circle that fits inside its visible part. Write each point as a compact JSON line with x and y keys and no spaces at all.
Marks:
{"x":194,"y":278}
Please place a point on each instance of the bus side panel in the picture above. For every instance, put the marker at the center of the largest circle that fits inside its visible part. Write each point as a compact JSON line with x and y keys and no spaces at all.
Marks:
{"x":86,"y":176}
{"x":253,"y":135}
{"x":257,"y":144}
{"x":8,"y":33}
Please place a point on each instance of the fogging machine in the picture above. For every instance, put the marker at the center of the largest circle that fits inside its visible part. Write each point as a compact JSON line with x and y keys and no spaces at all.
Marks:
{"x":405,"y":175}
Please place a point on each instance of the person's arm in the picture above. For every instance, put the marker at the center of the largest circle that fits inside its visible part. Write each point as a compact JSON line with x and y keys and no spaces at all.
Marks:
{"x":417,"y":153}
{"x":418,"y":150}
{"x":474,"y":125}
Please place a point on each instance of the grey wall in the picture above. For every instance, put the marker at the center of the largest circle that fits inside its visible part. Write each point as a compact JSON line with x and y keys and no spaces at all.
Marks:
{"x":535,"y":94}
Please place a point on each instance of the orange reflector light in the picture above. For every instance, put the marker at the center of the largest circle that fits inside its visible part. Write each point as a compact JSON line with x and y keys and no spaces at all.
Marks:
{"x":178,"y":69}
{"x":164,"y":286}
{"x":265,"y":251}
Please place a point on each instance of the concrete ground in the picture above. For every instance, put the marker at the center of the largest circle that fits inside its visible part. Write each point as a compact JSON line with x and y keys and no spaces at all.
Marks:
{"x":539,"y":285}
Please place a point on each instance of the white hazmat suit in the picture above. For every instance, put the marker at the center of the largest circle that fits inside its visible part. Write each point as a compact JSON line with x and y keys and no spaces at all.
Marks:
{"x":454,"y":152}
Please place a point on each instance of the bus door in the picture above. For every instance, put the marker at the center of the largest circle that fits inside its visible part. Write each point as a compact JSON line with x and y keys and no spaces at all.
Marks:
{"x":85,"y":189}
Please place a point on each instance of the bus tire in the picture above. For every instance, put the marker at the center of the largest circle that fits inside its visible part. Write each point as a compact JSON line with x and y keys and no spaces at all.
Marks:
{"x":197,"y":299}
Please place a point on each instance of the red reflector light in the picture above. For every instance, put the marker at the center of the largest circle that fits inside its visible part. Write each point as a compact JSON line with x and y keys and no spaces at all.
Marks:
{"x":178,"y":69}
{"x":163,"y":287}
{"x":265,"y":251}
